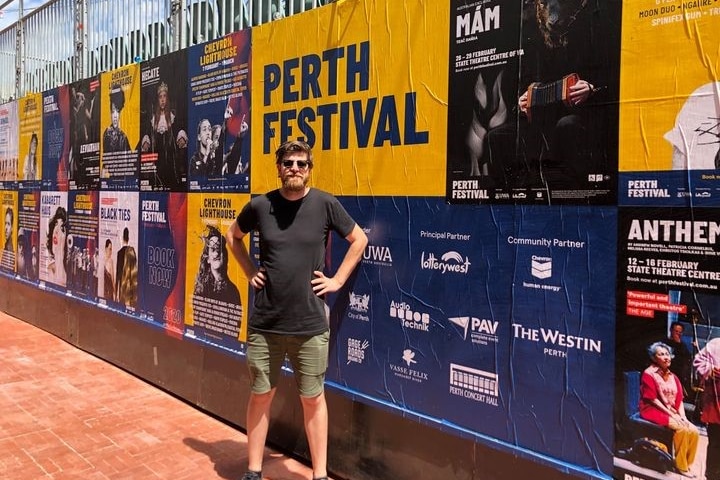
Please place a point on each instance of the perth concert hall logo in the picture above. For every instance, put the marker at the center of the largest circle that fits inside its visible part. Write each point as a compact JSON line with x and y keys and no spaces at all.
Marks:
{"x":474,"y":384}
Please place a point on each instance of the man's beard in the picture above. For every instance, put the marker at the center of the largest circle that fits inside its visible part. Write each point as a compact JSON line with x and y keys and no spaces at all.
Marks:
{"x":294,"y":183}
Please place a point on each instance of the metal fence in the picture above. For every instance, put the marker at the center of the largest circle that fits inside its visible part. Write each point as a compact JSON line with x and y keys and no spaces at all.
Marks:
{"x":67,"y":40}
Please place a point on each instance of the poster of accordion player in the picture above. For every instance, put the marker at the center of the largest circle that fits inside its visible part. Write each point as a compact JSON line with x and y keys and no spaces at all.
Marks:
{"x":533,"y":101}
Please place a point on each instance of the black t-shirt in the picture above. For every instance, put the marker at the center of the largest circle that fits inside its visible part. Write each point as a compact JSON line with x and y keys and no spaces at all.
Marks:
{"x":293,"y":240}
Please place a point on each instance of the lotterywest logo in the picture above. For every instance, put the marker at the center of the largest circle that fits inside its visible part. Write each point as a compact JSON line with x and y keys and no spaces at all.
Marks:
{"x":477,"y":385}
{"x":378,"y":255}
{"x":482,"y":331}
{"x":359,"y":306}
{"x":541,"y":267}
{"x":468,"y":190}
{"x":552,"y":339}
{"x":646,"y":189}
{"x":356,"y":350}
{"x":450,"y":262}
{"x":409,"y":371}
{"x":409,"y":318}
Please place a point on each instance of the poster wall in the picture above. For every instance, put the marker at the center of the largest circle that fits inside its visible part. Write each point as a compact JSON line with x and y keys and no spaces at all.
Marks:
{"x":219,"y":114}
{"x":30,"y":140}
{"x":163,"y":123}
{"x":670,"y":134}
{"x":28,"y":235}
{"x":216,"y":295}
{"x":163,"y":240}
{"x":56,"y":139}
{"x":120,"y":118}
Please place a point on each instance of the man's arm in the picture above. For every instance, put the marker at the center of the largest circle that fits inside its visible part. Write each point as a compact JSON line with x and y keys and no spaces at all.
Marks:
{"x":234,"y":238}
{"x":358,"y":241}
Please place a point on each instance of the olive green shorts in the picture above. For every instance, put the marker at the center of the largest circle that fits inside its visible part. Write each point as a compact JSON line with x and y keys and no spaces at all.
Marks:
{"x":308,"y":356}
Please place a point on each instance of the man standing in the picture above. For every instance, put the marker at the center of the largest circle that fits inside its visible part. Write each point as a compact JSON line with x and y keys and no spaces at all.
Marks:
{"x":290,"y":316}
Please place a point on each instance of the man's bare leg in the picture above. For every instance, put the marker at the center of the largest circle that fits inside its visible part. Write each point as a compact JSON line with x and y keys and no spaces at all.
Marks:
{"x":316,"y":428}
{"x":258,"y":422}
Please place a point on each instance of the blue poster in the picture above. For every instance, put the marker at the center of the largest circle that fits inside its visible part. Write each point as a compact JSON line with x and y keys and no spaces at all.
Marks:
{"x":219,"y":114}
{"x":28,"y":235}
{"x":163,"y":229}
{"x":56,"y":139}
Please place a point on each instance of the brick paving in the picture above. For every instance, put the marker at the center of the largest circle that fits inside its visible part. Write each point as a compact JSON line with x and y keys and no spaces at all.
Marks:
{"x":65,"y":414}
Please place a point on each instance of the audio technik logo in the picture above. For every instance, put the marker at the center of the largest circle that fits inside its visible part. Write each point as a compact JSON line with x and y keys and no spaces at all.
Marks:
{"x":409,"y":318}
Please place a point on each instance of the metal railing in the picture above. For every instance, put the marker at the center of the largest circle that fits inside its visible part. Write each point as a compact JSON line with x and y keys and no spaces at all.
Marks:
{"x":67,"y":40}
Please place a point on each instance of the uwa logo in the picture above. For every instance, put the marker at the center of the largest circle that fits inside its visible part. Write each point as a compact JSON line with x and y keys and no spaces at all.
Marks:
{"x":378,"y":255}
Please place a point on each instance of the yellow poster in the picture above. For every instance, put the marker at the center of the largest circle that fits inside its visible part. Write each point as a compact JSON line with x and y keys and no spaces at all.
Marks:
{"x":365,"y":84}
{"x":120,"y":128}
{"x":30,"y":142}
{"x":9,"y":240}
{"x":216,"y":290}
{"x":670,"y":95}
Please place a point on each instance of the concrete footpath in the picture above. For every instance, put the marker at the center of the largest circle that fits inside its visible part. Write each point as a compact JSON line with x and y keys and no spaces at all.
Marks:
{"x":65,"y":414}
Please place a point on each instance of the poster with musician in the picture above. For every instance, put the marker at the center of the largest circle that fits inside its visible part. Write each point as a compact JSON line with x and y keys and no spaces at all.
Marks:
{"x":28,"y":235}
{"x":52,"y":245}
{"x":669,"y":114}
{"x":667,"y":301}
{"x":30,"y":140}
{"x":163,"y":123}
{"x":119,"y":121}
{"x":8,"y":145}
{"x":219,"y":114}
{"x":532,"y":110}
{"x":215,"y":287}
{"x":56,"y":139}
{"x":118,"y":239}
{"x":163,"y":234}
{"x":84,"y":164}
{"x":83,"y":253}
{"x":8,"y":206}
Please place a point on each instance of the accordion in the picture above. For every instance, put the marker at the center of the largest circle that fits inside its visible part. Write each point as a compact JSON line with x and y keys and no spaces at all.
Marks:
{"x":543,"y":94}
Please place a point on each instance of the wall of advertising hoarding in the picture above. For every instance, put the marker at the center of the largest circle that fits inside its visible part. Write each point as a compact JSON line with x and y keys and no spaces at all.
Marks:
{"x":538,"y":181}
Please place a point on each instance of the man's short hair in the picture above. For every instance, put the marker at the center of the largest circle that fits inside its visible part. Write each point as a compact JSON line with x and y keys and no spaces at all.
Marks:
{"x":291,"y":147}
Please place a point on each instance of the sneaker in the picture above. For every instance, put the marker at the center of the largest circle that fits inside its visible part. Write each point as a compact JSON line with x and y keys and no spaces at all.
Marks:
{"x":250,"y":475}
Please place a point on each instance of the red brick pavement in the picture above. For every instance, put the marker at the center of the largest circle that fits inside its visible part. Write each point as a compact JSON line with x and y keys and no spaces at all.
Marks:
{"x":65,"y":414}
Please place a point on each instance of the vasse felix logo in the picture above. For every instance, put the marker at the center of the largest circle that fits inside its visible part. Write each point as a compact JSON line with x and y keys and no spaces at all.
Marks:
{"x":410,"y":370}
{"x":451,"y":261}
{"x":541,"y":267}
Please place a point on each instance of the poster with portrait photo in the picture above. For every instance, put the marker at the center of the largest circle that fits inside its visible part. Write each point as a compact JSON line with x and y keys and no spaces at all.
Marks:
{"x":119,"y":122}
{"x":83,"y":261}
{"x":8,"y":204}
{"x":53,"y":240}
{"x":30,"y":141}
{"x":163,"y":234}
{"x":28,"y":235}
{"x":8,"y":145}
{"x":668,"y":291}
{"x":56,"y":138}
{"x":118,"y":263}
{"x":215,"y":288}
{"x":533,"y":94}
{"x":219,"y":114}
{"x":163,"y":123}
{"x":84,"y":164}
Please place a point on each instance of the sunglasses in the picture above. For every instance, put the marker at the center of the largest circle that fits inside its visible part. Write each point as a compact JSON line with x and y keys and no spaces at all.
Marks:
{"x":301,"y":164}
